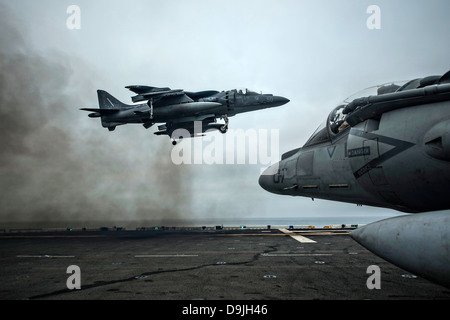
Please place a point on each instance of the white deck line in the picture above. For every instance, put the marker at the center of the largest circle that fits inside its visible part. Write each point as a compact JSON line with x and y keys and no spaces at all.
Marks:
{"x":299,"y":238}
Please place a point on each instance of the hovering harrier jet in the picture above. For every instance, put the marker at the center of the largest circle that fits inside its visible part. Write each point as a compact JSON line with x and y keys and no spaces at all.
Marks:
{"x":179,"y":109}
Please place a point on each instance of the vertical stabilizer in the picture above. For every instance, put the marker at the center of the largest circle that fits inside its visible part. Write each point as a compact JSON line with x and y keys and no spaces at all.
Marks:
{"x":107,"y":101}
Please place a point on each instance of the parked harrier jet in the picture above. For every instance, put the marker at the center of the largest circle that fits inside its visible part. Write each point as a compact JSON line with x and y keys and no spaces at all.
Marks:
{"x":179,"y":109}
{"x":388,"y":146}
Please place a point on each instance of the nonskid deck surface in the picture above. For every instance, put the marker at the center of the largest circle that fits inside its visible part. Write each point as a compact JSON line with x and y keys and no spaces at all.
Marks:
{"x":200,"y":264}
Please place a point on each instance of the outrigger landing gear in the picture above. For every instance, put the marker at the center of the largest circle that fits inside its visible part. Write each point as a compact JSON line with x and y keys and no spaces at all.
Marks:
{"x":224,"y":128}
{"x":175,"y":141}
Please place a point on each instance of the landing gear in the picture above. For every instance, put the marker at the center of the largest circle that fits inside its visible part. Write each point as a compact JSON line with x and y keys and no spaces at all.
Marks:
{"x":224,"y":128}
{"x":174,"y":141}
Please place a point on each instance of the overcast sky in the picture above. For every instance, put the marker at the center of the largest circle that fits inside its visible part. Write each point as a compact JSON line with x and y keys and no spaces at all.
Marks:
{"x":56,"y":163}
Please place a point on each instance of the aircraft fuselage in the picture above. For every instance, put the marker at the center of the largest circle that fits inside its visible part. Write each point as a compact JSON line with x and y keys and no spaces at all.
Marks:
{"x":396,"y":159}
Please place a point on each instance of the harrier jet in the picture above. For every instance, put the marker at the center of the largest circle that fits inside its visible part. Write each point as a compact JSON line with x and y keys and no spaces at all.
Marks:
{"x":388,"y":146}
{"x":179,"y":109}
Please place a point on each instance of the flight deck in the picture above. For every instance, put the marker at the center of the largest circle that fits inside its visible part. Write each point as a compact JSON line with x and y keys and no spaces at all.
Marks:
{"x":200,"y":264}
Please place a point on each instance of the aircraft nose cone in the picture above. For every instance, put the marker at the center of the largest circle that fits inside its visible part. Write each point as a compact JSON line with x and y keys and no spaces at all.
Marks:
{"x":279,"y":101}
{"x":264,"y":182}
{"x":266,"y":178}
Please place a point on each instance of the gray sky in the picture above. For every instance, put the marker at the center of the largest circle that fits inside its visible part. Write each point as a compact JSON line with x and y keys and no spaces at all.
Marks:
{"x":59,"y":164}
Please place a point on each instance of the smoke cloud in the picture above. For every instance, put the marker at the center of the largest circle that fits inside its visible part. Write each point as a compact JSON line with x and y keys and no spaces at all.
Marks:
{"x":56,"y":164}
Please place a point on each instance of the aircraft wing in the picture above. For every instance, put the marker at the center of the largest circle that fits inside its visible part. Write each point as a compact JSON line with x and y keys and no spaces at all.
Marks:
{"x":160,"y":97}
{"x":170,"y":98}
{"x":146,"y":89}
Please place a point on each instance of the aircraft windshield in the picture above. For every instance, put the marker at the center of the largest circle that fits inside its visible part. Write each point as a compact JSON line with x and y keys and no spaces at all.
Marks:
{"x":336,"y":120}
{"x":319,"y":136}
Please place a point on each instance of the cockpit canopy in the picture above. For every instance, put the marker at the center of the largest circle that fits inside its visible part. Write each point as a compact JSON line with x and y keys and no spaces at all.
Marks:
{"x":336,"y":124}
{"x":245,"y":91}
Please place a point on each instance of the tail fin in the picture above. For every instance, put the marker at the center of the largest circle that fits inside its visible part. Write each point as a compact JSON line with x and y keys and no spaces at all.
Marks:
{"x":109,"y":105}
{"x":107,"y":101}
